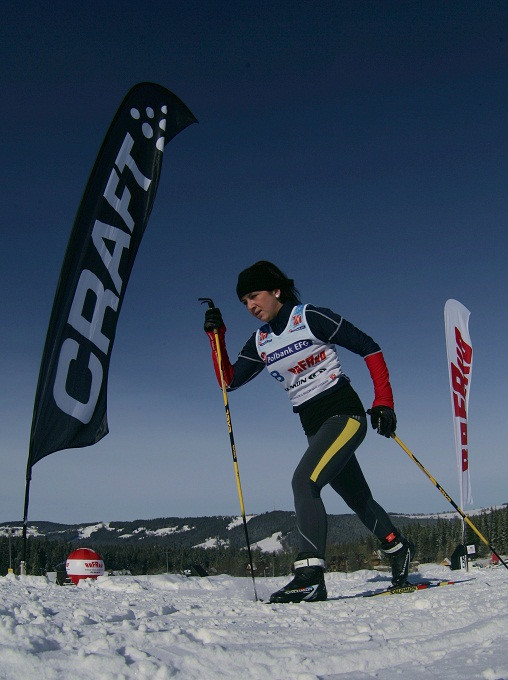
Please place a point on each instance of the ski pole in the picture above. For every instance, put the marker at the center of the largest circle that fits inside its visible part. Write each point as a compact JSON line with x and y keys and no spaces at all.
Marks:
{"x":440,"y":488}
{"x":233,"y":447}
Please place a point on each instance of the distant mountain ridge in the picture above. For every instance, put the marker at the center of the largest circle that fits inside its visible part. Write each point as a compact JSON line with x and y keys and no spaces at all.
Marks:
{"x":269,"y":531}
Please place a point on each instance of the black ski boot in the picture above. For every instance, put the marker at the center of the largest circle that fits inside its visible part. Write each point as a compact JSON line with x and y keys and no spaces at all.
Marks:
{"x":308,"y":584}
{"x":400,"y":551}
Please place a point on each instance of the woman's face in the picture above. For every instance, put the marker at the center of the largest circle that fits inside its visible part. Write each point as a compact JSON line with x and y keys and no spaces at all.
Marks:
{"x":263,"y":304}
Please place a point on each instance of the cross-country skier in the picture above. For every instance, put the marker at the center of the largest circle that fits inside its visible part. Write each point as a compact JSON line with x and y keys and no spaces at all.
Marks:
{"x":297,"y":344}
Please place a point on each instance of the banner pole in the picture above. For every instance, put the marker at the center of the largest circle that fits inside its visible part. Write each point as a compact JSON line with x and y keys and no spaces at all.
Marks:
{"x":25,"y":521}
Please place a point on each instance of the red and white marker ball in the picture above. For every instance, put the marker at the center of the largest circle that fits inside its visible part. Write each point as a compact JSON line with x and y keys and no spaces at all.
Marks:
{"x":84,"y":563}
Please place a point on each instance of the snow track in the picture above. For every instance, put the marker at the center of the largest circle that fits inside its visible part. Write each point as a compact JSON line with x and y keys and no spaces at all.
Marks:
{"x":169,"y":626}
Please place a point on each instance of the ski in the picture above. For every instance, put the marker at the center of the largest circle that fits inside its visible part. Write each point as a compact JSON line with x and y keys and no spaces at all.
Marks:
{"x":410,"y":588}
{"x":401,"y":590}
{"x":407,"y":588}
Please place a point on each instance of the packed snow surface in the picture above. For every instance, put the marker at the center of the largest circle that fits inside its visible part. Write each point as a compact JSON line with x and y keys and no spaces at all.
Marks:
{"x":211,"y":628}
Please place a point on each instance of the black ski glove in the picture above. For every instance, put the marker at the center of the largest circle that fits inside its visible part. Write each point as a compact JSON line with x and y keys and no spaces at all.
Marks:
{"x":213,"y":319}
{"x":383,"y":420}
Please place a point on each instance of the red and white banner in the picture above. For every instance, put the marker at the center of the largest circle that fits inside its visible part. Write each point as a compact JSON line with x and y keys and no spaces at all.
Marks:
{"x":459,"y":352}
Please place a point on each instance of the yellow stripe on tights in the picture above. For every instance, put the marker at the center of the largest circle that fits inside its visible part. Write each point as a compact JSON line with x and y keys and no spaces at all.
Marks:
{"x":343,"y":438}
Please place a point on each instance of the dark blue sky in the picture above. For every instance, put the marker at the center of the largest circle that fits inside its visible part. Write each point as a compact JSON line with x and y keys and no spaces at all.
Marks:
{"x":362,"y":146}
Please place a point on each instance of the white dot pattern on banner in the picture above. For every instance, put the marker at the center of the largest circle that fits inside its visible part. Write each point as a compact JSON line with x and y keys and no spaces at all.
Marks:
{"x":146,"y":127}
{"x":147,"y":130}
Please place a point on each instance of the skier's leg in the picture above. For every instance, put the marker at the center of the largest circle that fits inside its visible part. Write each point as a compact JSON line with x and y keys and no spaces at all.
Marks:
{"x":328,"y":452}
{"x":351,"y":484}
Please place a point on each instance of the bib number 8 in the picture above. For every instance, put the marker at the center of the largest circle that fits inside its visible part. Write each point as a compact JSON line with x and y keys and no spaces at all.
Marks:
{"x":277,"y":376}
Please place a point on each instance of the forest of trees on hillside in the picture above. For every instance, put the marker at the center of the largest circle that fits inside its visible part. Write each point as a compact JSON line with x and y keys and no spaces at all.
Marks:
{"x":433,"y":544}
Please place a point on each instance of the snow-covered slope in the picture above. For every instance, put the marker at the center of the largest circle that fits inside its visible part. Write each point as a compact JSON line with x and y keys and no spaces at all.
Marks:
{"x":161,"y":627}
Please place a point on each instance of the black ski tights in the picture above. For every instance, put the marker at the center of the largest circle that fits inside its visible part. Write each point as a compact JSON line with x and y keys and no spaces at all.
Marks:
{"x":330,"y":459}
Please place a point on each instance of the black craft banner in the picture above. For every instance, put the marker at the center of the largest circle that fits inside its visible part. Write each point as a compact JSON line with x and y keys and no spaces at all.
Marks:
{"x":70,"y":407}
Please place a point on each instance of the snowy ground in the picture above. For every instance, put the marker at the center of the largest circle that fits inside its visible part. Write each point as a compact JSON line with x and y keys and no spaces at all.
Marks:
{"x":159,"y":627}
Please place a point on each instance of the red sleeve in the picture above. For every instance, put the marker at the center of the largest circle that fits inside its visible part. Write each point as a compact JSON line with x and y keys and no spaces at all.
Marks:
{"x":226,"y":364}
{"x":383,"y":395}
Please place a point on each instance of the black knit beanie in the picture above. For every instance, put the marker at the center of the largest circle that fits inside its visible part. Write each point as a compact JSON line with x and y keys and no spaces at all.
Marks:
{"x":262,"y":276}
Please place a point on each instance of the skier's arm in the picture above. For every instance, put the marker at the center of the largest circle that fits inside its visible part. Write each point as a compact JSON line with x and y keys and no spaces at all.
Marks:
{"x":248,"y":364}
{"x":333,"y":328}
{"x":383,"y":395}
{"x":227,"y":368}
